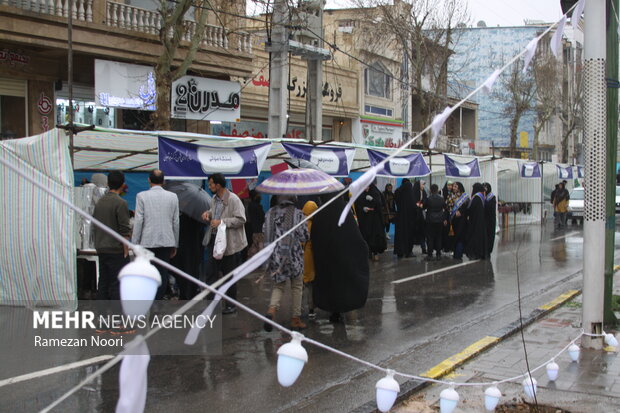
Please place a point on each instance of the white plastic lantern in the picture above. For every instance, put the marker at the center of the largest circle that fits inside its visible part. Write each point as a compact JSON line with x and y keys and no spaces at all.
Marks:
{"x":530,"y":386}
{"x":552,"y":371}
{"x":291,"y":360}
{"x":139,"y":281}
{"x":387,"y":391}
{"x":610,"y":340}
{"x":448,"y":399}
{"x":491,"y":398}
{"x":573,"y":352}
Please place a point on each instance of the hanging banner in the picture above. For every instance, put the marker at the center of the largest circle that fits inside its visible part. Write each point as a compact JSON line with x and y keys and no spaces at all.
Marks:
{"x":581,"y":173}
{"x":332,"y":160}
{"x":183,"y":160}
{"x":565,"y":172}
{"x":457,"y":169}
{"x":409,"y":166}
{"x":529,"y":169}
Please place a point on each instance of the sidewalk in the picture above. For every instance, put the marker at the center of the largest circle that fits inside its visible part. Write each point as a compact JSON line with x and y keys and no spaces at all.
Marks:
{"x":590,"y":385}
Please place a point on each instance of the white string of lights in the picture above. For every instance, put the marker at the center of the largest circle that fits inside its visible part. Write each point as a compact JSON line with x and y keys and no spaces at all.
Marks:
{"x":292,"y":356}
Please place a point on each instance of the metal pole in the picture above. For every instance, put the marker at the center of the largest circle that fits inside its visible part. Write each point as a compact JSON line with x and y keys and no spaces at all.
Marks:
{"x":430,"y":166}
{"x":594,"y":109}
{"x":70,"y":75}
{"x":612,"y":147}
{"x":542,"y":192}
{"x":278,"y":71}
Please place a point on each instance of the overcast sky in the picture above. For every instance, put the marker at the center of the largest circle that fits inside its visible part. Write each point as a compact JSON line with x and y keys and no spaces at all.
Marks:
{"x":500,"y":12}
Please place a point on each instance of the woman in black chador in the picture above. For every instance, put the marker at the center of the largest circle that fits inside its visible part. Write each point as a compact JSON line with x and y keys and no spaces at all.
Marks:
{"x":340,"y":261}
{"x":476,"y":244}
{"x":490,"y":216}
{"x":419,"y":225}
{"x":403,"y":223}
{"x":369,"y":211}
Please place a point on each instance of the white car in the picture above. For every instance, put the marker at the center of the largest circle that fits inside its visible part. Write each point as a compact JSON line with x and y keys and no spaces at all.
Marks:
{"x":575,"y":204}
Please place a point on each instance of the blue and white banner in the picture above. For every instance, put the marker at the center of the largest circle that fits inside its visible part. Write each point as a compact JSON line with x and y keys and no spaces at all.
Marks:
{"x":408,"y":166}
{"x":183,"y":160}
{"x":581,"y":173}
{"x":332,"y":160}
{"x":565,"y":172}
{"x":529,"y":169}
{"x":457,"y":169}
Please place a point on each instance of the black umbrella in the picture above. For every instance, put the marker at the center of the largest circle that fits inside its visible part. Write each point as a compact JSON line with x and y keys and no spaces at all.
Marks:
{"x":193,"y":200}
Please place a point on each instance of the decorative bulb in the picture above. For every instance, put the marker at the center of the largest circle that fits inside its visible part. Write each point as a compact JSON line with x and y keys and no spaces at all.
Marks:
{"x":491,"y":398}
{"x":573,"y":352}
{"x":610,"y":340}
{"x":552,"y":371}
{"x":448,"y":399}
{"x":139,"y":281}
{"x":291,"y":360}
{"x":529,"y":387}
{"x":387,"y":391}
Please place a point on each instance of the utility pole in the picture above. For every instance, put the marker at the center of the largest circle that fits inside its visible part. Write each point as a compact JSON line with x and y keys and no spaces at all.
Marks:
{"x":278,"y":72}
{"x":594,"y":109}
{"x":612,"y":147}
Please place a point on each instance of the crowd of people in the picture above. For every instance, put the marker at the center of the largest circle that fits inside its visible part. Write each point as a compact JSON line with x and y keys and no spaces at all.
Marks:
{"x":325,"y":265}
{"x":450,"y":221}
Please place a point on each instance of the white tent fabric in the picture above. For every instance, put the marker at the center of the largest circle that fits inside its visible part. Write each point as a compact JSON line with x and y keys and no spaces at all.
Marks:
{"x":37,"y":240}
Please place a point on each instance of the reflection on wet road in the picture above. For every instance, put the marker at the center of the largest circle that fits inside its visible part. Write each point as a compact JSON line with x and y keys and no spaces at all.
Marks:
{"x":417,"y":314}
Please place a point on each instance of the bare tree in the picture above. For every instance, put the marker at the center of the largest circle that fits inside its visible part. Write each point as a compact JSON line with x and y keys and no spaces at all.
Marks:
{"x":546,"y":71}
{"x":423,"y":32}
{"x":570,"y":110}
{"x":174,"y":29}
{"x":519,"y":95}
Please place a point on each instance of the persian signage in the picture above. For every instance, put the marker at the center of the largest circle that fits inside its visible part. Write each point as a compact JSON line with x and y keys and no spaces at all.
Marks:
{"x":206,"y":99}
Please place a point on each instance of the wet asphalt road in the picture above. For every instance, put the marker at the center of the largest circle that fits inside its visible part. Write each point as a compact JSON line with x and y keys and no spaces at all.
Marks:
{"x":411,"y":326}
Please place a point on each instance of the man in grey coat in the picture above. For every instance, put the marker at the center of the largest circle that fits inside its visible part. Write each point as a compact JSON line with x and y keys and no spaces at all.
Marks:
{"x":227,"y":208}
{"x":156,"y":224}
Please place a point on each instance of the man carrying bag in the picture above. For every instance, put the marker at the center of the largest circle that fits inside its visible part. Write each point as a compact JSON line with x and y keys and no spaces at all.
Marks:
{"x":226,"y":209}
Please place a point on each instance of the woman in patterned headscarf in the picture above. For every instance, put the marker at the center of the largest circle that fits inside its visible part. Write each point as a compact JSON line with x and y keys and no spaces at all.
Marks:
{"x":287,"y":260}
{"x":458,"y":219}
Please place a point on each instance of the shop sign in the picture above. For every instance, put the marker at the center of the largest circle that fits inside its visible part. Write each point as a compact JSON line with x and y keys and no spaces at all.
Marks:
{"x":45,"y":107}
{"x":123,"y":85}
{"x":13,"y":58}
{"x":381,"y":135}
{"x":206,"y":99}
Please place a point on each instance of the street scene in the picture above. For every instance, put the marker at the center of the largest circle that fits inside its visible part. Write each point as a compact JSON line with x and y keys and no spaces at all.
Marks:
{"x":309,"y":206}
{"x":409,"y":324}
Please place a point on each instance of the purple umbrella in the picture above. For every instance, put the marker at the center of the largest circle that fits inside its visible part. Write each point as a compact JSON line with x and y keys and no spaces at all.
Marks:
{"x":300,"y":182}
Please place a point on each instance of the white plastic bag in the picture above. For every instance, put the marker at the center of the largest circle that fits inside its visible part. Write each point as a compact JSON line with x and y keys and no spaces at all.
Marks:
{"x":220,"y":242}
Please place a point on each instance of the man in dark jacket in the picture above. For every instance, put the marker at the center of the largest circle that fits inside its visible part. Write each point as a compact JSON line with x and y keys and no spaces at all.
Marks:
{"x":435,"y":221}
{"x":111,"y":210}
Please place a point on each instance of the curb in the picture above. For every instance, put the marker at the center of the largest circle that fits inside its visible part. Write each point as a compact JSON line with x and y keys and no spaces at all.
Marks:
{"x":448,"y":365}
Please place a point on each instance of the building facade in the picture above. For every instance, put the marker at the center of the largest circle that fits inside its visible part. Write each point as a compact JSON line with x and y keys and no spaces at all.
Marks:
{"x":34,"y":65}
{"x":481,"y":50}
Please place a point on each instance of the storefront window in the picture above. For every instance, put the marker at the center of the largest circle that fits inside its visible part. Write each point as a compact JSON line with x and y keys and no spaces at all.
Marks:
{"x":84,"y":112}
{"x":12,"y":117}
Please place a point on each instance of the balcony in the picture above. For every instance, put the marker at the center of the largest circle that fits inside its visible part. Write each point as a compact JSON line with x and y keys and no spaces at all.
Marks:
{"x":117,"y":30}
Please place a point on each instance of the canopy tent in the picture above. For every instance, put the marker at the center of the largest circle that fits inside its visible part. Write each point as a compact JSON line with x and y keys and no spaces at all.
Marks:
{"x":38,"y":240}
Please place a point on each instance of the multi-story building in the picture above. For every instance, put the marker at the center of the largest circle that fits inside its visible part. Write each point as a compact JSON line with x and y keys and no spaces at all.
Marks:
{"x":481,"y":50}
{"x":33,"y":60}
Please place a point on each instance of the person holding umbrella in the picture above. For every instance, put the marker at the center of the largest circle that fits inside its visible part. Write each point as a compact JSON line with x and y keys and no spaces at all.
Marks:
{"x":286,"y":263}
{"x":193,"y":201}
